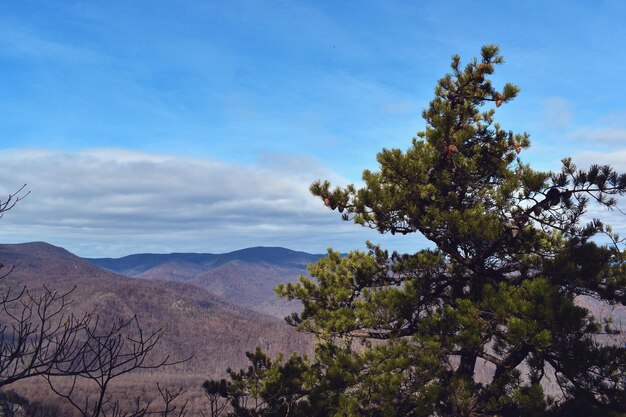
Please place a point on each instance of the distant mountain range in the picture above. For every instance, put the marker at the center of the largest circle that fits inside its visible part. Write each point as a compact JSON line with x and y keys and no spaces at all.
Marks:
{"x":199,"y":299}
{"x":245,"y":277}
{"x":216,"y":331}
{"x":139,"y":263}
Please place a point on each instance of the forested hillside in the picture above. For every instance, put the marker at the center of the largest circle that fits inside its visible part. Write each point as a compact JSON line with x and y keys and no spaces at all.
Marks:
{"x":198,"y":325}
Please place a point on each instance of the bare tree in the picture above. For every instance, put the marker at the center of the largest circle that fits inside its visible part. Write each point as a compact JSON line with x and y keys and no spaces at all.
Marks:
{"x":39,"y":337}
{"x":106,"y":354}
{"x":169,"y":398}
{"x":13,"y":199}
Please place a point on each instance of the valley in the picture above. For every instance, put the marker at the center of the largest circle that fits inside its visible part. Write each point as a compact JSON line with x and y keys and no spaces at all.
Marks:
{"x":210,"y":317}
{"x":212,"y":308}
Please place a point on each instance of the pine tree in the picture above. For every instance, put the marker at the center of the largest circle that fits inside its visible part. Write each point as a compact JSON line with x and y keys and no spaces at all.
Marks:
{"x":484,"y":322}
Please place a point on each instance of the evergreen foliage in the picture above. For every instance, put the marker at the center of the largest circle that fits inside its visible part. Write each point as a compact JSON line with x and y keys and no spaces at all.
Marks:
{"x":406,"y":334}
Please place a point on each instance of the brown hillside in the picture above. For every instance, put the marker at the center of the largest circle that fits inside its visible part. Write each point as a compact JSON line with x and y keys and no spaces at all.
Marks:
{"x":198,"y":323}
{"x":172,"y":271}
{"x":246,"y":277}
{"x":251,"y":285}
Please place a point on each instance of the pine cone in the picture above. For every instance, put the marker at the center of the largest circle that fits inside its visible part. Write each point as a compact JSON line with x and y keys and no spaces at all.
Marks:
{"x":554,"y":196}
{"x":499,"y":99}
{"x":485,"y":67}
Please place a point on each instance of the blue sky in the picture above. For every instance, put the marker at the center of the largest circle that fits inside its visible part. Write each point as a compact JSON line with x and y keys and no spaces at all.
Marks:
{"x":197,"y":126}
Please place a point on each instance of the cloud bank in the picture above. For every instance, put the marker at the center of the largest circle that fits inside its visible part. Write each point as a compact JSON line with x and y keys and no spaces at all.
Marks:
{"x":112,"y":202}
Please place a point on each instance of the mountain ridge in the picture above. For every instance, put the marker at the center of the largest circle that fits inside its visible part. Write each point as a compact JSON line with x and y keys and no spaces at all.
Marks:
{"x":184,"y":307}
{"x":197,"y":324}
{"x":140,"y":262}
{"x":245,"y":277}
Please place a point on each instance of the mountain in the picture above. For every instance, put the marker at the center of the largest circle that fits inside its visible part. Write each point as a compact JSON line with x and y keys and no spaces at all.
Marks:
{"x":188,"y":294}
{"x":217,"y":333}
{"x":136,"y":264}
{"x":245,"y":277}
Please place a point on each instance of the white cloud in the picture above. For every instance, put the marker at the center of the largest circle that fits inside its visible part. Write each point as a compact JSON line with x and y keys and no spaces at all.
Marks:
{"x":23,"y":42}
{"x":615,"y":158}
{"x":556,"y":112}
{"x":112,"y":202}
{"x":614,"y":136}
